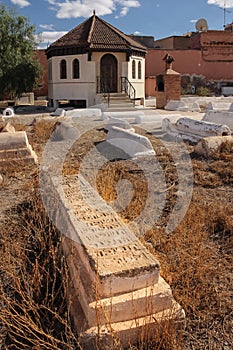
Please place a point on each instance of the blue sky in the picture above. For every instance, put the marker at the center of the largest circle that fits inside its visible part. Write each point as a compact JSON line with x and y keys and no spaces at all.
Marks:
{"x":159,"y":18}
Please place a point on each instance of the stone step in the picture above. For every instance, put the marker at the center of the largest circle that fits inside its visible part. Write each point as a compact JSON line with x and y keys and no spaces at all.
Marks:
{"x":8,"y":162}
{"x":14,"y":146}
{"x":127,"y":306}
{"x":119,"y":101}
{"x":13,"y":140}
{"x":120,"y":109}
{"x":14,"y":153}
{"x":137,"y":330}
{"x":118,"y":94}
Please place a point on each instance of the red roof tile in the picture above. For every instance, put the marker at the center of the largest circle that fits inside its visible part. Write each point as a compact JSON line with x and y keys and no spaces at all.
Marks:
{"x":95,"y":33}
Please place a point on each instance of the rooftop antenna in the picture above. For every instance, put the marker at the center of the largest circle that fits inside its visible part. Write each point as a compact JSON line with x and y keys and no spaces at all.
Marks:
{"x":224,"y":13}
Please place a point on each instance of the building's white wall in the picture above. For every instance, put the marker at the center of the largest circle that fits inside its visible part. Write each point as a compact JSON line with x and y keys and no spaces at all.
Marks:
{"x":83,"y":88}
{"x":138,"y":84}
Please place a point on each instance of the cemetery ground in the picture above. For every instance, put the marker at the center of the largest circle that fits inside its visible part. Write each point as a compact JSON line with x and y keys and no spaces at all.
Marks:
{"x":196,"y":258}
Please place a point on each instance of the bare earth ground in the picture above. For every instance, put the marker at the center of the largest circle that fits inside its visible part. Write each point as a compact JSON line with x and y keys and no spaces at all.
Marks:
{"x":196,"y":258}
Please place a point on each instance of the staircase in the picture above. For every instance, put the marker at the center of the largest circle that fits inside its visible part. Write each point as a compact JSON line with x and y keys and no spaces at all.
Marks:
{"x":120,"y":102}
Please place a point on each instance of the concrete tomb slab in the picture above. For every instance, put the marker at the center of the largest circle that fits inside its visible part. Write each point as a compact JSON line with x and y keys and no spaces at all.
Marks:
{"x":64,"y":131}
{"x":221,"y":117}
{"x":219,"y":105}
{"x":102,"y":106}
{"x":193,"y":129}
{"x":86,"y":112}
{"x":129,"y":115}
{"x":121,"y":123}
{"x":201,"y":128}
{"x":150,"y":118}
{"x":133,"y":144}
{"x":150,"y":102}
{"x":195,"y":107}
{"x":59,"y":112}
{"x":174,"y":105}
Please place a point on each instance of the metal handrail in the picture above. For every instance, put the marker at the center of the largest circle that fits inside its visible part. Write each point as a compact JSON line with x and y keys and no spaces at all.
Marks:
{"x":103,"y":88}
{"x":128,"y":88}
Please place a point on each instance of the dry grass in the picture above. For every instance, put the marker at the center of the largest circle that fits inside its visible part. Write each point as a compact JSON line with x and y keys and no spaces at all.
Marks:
{"x":196,"y":259}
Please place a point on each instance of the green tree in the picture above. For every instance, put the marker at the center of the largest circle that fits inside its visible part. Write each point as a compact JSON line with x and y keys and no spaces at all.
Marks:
{"x":19,"y":68}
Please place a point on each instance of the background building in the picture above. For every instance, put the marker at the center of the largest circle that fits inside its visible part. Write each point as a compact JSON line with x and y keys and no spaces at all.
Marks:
{"x":96,"y":56}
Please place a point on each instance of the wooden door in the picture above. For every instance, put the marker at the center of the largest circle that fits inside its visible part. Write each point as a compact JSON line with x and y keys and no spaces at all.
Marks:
{"x":108,"y":72}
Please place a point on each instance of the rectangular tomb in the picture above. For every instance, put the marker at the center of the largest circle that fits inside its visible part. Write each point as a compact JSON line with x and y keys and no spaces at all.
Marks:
{"x":115,"y":281}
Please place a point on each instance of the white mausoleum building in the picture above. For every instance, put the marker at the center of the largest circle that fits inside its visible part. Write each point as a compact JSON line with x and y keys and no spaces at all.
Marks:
{"x":92,"y":59}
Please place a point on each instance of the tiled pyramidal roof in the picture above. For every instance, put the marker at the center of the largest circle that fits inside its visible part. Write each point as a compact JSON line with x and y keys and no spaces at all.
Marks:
{"x":96,"y":34}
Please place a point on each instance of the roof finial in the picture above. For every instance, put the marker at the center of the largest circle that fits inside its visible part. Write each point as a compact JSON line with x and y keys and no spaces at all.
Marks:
{"x":94,"y":12}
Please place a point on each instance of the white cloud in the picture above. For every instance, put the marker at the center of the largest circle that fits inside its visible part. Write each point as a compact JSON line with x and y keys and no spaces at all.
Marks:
{"x":193,"y":20}
{"x":84,"y":8}
{"x":47,"y":26}
{"x":126,"y":5}
{"x":21,"y":3}
{"x":46,"y":38}
{"x":124,"y":11}
{"x":221,"y":3}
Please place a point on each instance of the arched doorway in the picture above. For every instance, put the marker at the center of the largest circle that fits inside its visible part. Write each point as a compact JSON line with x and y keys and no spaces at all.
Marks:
{"x":108,"y":72}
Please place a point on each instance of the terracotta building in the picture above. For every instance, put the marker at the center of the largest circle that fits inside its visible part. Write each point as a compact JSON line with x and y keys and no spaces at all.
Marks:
{"x":42,"y":89}
{"x":202,"y":58}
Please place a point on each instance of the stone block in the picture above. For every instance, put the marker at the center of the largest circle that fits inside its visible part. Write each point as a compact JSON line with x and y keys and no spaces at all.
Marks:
{"x":8,"y":128}
{"x":212,"y":145}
